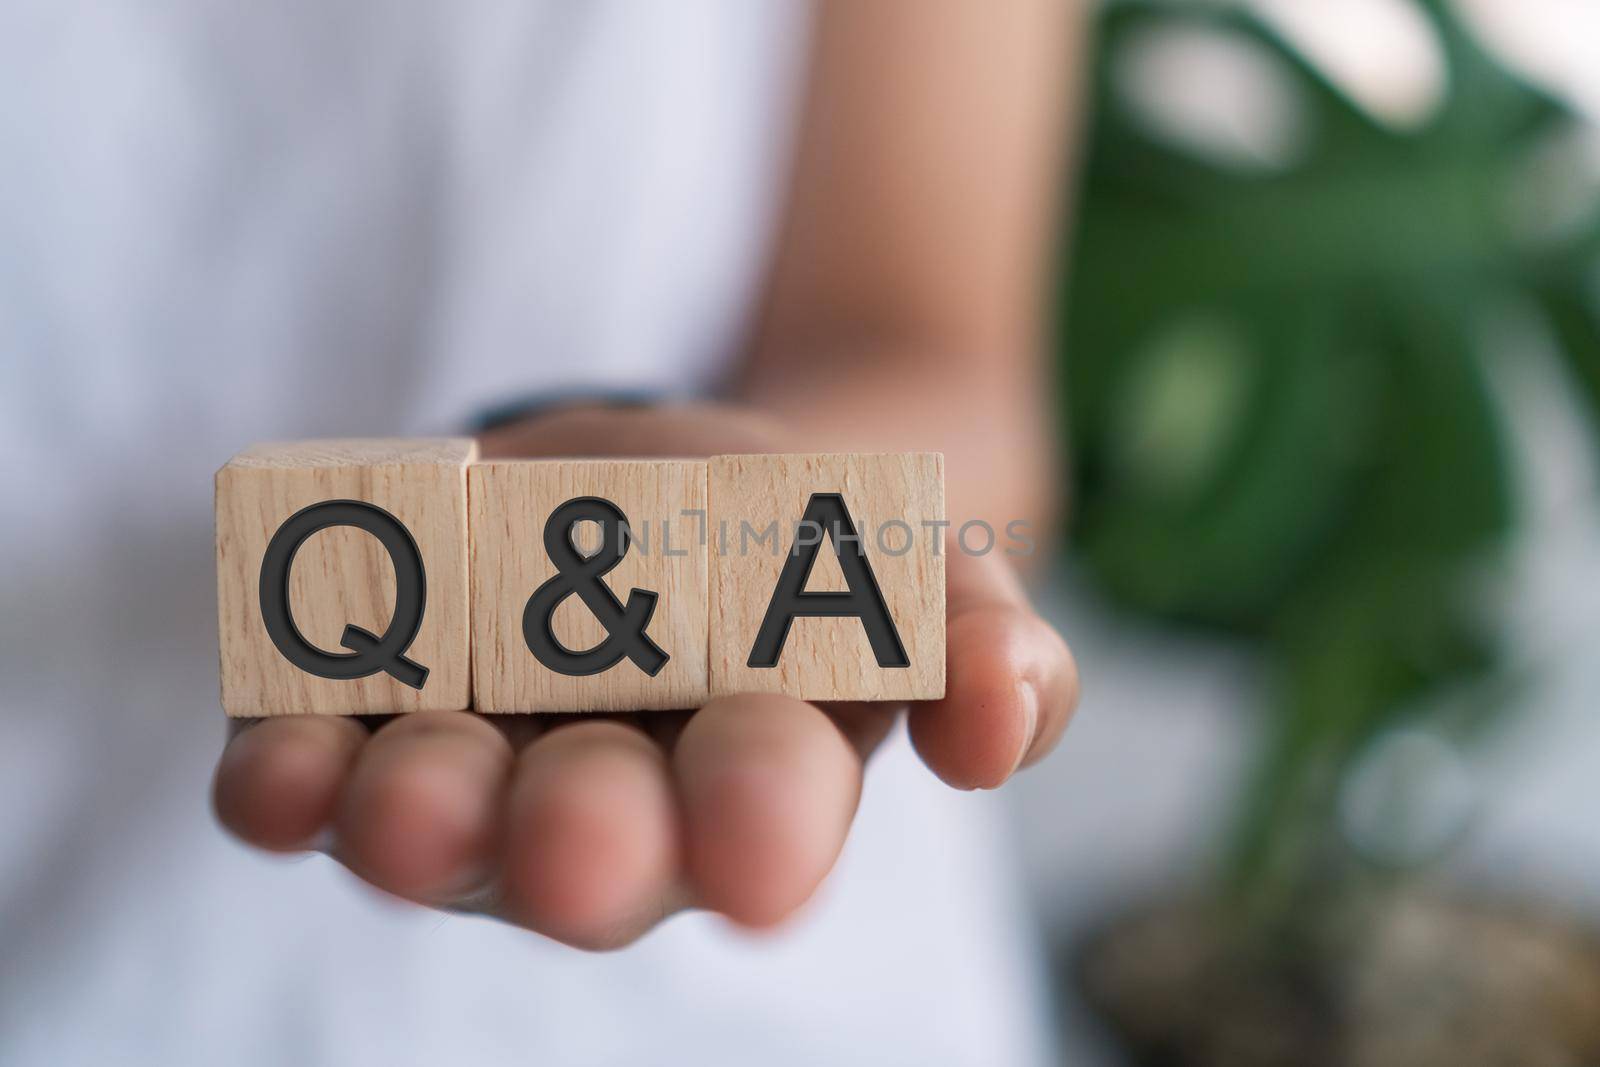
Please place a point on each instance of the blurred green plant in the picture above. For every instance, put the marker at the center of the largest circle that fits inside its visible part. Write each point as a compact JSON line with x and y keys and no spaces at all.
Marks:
{"x":1281,"y":420}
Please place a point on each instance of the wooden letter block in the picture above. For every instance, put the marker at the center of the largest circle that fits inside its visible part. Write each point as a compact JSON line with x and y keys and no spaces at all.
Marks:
{"x":825,"y":584}
{"x":342,"y":577}
{"x":589,"y":588}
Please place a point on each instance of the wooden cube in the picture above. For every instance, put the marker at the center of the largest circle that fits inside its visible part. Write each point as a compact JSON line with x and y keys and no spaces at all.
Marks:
{"x":342,"y":577}
{"x":826,"y":581}
{"x":589,"y":589}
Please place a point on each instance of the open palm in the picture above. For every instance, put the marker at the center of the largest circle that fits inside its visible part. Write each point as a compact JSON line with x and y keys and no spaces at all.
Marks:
{"x":590,"y":828}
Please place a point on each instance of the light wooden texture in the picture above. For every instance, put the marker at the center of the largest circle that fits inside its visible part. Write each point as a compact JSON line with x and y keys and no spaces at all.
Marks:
{"x":827,"y":658}
{"x":509,"y":504}
{"x":343,"y":576}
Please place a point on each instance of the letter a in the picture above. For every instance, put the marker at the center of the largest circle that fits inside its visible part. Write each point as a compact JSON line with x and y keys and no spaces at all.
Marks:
{"x":864,"y":600}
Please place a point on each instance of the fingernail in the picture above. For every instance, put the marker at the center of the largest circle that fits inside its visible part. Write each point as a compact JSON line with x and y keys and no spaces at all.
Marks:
{"x":1030,"y":713}
{"x":469,"y":883}
{"x":322,"y":841}
{"x":480,"y":896}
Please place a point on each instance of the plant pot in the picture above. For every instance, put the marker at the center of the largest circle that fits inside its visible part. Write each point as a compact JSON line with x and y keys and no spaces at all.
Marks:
{"x":1428,"y":981}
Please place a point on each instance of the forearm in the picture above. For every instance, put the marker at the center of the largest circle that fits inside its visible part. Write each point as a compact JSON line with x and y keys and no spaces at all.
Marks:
{"x":912,"y":271}
{"x":997,"y":435}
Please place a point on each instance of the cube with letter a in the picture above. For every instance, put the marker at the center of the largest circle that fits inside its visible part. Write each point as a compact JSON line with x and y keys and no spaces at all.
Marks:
{"x":827,"y":575}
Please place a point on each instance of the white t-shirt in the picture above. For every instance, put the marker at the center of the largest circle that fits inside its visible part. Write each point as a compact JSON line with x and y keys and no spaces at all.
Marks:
{"x":222,"y":223}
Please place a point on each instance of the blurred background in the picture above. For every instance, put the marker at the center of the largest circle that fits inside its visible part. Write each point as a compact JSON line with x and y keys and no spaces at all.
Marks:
{"x":1330,"y":348}
{"x":1329,"y":354}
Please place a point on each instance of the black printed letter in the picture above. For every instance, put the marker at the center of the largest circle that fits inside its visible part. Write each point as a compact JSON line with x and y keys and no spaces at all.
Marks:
{"x":368,"y":653}
{"x":864,"y":600}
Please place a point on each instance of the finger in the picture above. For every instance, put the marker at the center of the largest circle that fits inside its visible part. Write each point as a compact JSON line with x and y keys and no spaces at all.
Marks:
{"x":1011,"y":682}
{"x":1062,"y":691}
{"x":769,"y":787}
{"x":520,"y":731}
{"x":592,"y":841}
{"x":420,"y":814}
{"x":864,"y":724}
{"x":278,"y":781}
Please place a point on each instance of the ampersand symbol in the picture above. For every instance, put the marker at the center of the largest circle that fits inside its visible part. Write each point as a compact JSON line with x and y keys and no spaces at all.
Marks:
{"x":581,"y":575}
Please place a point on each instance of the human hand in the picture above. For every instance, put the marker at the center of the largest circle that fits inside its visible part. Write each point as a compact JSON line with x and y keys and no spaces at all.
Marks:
{"x":591,"y":829}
